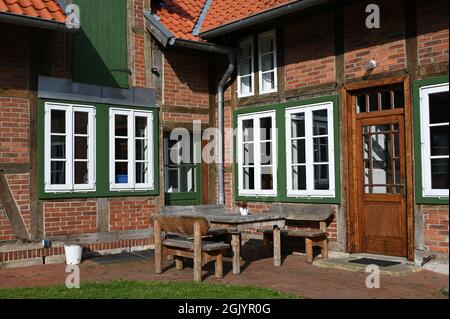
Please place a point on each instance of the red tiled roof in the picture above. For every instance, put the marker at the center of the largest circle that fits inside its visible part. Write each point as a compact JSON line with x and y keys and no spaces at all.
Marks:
{"x":44,"y":9}
{"x":179,"y":16}
{"x":223,"y":12}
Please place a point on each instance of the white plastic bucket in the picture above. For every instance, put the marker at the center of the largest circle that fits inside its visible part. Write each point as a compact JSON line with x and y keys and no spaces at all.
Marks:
{"x":73,"y":254}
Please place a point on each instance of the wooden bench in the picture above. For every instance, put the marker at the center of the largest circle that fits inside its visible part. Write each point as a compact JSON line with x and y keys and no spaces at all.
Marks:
{"x":187,"y":240}
{"x":305,"y":213}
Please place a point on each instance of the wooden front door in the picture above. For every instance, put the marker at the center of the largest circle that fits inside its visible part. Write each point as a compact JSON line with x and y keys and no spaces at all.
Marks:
{"x":380,"y":171}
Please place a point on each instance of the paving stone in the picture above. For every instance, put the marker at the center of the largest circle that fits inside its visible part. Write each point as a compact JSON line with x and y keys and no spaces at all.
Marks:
{"x":294,"y":276}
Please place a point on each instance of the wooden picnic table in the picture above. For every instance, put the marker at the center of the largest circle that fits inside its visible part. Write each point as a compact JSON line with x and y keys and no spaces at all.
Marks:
{"x":236,"y":223}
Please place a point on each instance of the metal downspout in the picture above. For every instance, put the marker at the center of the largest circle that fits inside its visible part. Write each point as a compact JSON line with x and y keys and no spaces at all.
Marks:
{"x":220,"y":122}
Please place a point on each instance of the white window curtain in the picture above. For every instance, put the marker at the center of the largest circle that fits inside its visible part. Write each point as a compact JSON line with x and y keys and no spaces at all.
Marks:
{"x":245,"y":68}
{"x":267,"y":53}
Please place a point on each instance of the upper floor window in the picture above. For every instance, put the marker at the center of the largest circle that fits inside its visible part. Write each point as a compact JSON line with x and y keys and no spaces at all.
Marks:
{"x":267,"y":57}
{"x":434,"y":111}
{"x":69,"y":147}
{"x":131,"y":150}
{"x":256,"y":151}
{"x":245,"y":69}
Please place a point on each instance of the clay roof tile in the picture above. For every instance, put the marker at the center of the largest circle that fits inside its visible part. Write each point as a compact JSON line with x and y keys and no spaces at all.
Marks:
{"x":44,"y":9}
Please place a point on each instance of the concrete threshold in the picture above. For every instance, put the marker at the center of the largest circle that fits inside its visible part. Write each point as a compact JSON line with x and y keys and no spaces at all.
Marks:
{"x":402,"y":260}
{"x":404,"y":268}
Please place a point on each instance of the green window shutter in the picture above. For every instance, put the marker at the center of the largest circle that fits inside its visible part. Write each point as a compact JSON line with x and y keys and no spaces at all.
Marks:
{"x":100,"y":48}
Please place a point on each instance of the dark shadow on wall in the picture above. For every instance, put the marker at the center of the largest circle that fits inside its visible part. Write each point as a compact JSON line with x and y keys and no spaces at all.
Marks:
{"x":190,"y":67}
{"x":90,"y":67}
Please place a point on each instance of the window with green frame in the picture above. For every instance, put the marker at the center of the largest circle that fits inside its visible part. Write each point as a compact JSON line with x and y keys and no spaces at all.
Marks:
{"x":431,"y":128}
{"x":97,"y":150}
{"x":286,"y":152}
{"x":100,"y":47}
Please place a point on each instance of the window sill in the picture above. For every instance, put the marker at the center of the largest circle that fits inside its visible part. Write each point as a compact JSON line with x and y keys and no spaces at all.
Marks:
{"x":268,"y":92}
{"x":243,"y":96}
{"x":68,"y":191}
{"x":306,"y":197}
{"x":435,"y":196}
{"x":259,"y":195}
{"x":132,"y":190}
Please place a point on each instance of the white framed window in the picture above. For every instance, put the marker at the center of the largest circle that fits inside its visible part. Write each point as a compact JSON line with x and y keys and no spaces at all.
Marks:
{"x":310,"y":151}
{"x":69,"y":148}
{"x":267,"y":61}
{"x":131,"y":149}
{"x":257,"y":154}
{"x":246,"y":77}
{"x":434,"y":111}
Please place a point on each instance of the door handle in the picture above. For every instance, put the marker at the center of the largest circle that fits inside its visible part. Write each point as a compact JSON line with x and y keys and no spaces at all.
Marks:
{"x":403,"y":187}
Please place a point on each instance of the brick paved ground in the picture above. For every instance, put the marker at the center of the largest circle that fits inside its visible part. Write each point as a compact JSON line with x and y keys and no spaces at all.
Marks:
{"x":295,"y":276}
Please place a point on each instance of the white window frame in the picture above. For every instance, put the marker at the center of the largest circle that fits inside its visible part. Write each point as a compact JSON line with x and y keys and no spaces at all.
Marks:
{"x":69,"y":186}
{"x":427,"y":190}
{"x":309,"y":153}
{"x":131,"y":116}
{"x":248,"y":40}
{"x":257,"y":154}
{"x":272,"y":35}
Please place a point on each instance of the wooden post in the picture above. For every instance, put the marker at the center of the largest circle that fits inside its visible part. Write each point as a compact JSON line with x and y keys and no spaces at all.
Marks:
{"x":219,"y":265}
{"x":236,"y":247}
{"x":325,"y":248}
{"x":158,"y":247}
{"x":197,"y":253}
{"x":276,"y":246}
{"x":266,"y":240}
{"x":11,"y":209}
{"x":179,"y":263}
{"x":309,"y":250}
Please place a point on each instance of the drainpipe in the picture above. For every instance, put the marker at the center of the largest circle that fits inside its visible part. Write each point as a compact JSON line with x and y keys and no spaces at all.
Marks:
{"x":220,"y":123}
{"x":232,"y":57}
{"x":167,"y":38}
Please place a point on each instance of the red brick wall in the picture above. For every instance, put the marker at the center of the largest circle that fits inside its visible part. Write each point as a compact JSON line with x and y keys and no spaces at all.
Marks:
{"x":130,"y":214}
{"x":435,"y":231}
{"x":386,"y":45}
{"x":309,"y":51}
{"x":70,"y":217}
{"x":20,"y":188}
{"x":184,"y":117}
{"x":59,"y":59}
{"x":14,"y":130}
{"x":59,"y":250}
{"x":6,"y":230}
{"x":185,"y":79}
{"x":432,"y":30}
{"x":139,"y":45}
{"x":60,"y":217}
{"x":14,"y":57}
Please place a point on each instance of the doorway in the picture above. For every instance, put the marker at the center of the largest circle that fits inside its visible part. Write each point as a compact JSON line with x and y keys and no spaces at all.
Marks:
{"x":182,"y":171}
{"x":379,"y":170}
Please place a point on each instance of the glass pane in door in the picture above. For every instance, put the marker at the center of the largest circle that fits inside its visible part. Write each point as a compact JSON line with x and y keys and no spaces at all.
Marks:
{"x":381,"y":159}
{"x":179,"y":171}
